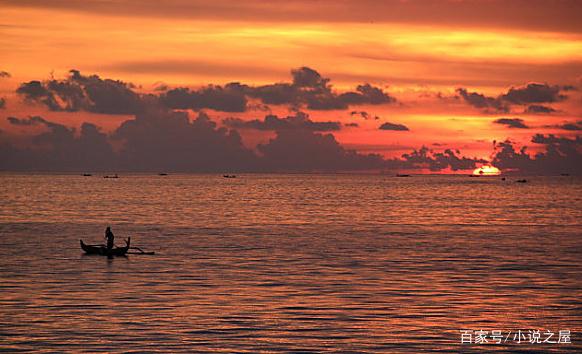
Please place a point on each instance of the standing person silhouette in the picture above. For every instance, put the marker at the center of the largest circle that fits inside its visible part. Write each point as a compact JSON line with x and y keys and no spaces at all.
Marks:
{"x":109,"y":236}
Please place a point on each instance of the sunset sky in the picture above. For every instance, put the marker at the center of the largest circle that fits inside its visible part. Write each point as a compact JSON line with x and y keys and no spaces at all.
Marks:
{"x":481,"y":79}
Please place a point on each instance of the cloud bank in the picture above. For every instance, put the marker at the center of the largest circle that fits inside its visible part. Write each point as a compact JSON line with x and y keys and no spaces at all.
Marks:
{"x":308,"y":89}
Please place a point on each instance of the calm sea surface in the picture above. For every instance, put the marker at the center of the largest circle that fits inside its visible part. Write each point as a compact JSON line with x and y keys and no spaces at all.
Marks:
{"x":289,"y":263}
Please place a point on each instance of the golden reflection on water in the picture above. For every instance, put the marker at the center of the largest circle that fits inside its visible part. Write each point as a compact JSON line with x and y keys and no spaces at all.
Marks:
{"x":288,"y":263}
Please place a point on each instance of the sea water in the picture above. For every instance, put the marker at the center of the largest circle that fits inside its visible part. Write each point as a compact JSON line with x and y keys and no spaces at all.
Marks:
{"x":291,"y":263}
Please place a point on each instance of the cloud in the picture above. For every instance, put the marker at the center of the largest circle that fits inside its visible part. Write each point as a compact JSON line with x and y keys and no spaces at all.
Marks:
{"x":575,"y":126}
{"x":33,"y":120}
{"x":229,"y":98}
{"x":78,"y":92}
{"x":310,"y":90}
{"x":533,"y":93}
{"x":512,"y":123}
{"x":59,"y":148}
{"x":2,"y":102}
{"x":364,"y":115}
{"x":562,"y":155}
{"x":539,"y":109}
{"x":303,"y":150}
{"x":272,"y":122}
{"x":393,"y":126}
{"x":351,"y":125}
{"x":4,"y":74}
{"x":159,"y":140}
{"x":478,"y":100}
{"x":436,"y":161}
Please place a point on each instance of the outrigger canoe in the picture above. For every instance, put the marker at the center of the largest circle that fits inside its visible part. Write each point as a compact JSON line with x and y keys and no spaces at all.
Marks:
{"x":102,"y":250}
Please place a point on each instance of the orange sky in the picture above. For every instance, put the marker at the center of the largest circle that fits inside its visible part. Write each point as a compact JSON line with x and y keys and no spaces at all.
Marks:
{"x":419,"y":52}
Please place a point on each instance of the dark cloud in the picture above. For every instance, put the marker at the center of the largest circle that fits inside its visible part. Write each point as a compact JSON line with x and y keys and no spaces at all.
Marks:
{"x":155,"y":140}
{"x":310,"y":90}
{"x":364,"y":115}
{"x":535,"y":93}
{"x":562,"y":155}
{"x":393,"y":126}
{"x":307,"y":77}
{"x":512,"y":123}
{"x":436,"y":161}
{"x":351,"y":125}
{"x":79,"y":92}
{"x":160,"y":86}
{"x":158,"y":140}
{"x":539,"y":109}
{"x":531,"y":94}
{"x":59,"y":148}
{"x":272,"y":122}
{"x":4,"y":74}
{"x":571,"y":126}
{"x":478,"y":100}
{"x":33,"y":120}
{"x":230,"y":98}
{"x":2,"y":102}
{"x":303,"y":150}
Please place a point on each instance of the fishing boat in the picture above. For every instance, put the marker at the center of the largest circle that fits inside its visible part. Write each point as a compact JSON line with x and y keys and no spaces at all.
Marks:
{"x":102,"y":250}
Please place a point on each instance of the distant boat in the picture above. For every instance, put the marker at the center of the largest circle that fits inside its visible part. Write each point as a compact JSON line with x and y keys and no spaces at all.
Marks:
{"x":229,"y":176}
{"x":402,"y":175}
{"x":103,"y":251}
{"x":564,"y":174}
{"x":113,"y":176}
{"x":521,"y":181}
{"x":87,"y":175}
{"x":162,"y":174}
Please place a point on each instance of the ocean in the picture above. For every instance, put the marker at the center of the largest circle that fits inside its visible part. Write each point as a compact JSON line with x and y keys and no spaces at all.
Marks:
{"x":282,"y":263}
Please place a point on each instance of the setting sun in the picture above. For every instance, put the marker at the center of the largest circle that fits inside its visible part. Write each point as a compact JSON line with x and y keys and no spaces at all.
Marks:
{"x":487,"y":170}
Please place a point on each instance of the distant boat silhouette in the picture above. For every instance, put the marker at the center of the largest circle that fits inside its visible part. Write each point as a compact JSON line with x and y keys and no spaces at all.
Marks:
{"x":162,"y":174}
{"x":87,"y":175}
{"x":402,"y":175}
{"x":521,"y":181}
{"x":229,"y":176}
{"x":113,"y":176}
{"x":564,"y":174}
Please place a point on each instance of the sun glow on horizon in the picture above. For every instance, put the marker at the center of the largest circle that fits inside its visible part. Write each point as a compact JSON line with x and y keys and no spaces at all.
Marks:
{"x":486,"y":170}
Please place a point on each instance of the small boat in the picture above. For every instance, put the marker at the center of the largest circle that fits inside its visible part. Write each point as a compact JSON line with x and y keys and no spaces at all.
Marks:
{"x":521,"y":181}
{"x":87,"y":175}
{"x":102,"y":250}
{"x":402,"y":175}
{"x":162,"y":174}
{"x":114,"y":176}
{"x":229,"y":176}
